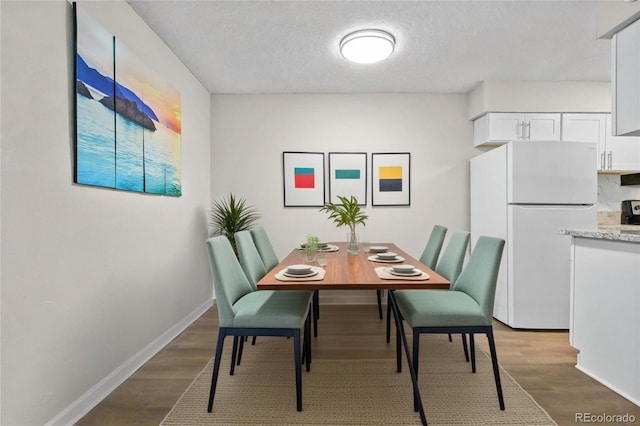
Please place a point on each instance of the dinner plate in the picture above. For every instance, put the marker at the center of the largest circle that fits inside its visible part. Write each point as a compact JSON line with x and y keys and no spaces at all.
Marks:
{"x":320,"y":245}
{"x":397,"y":259}
{"x":378,"y":249}
{"x":307,"y":275}
{"x":298,"y":269}
{"x":413,"y":273}
{"x":389,"y":255}
{"x":406,"y":269}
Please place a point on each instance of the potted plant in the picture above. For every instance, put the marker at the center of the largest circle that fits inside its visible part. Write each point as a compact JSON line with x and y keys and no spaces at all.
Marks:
{"x":230,"y":215}
{"x":347,"y":213}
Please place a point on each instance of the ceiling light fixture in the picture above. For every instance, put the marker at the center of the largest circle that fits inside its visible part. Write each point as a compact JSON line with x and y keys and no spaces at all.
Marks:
{"x":367,"y":46}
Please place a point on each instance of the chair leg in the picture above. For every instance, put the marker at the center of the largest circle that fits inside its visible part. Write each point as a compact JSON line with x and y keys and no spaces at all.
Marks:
{"x":496,"y":370}
{"x":414,"y":377}
{"x":398,"y":351}
{"x":253,"y":342}
{"x":464,"y":346}
{"x":306,"y":342}
{"x":450,"y":338}
{"x":234,"y":354}
{"x":316,"y":312}
{"x":296,"y":357}
{"x":389,"y":318}
{"x":240,"y":349}
{"x":216,"y":367}
{"x":379,"y":297}
{"x":416,"y":355}
{"x":472,"y":343}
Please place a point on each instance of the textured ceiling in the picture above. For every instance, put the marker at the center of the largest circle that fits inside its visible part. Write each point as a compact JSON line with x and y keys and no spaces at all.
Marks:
{"x":442,"y":46}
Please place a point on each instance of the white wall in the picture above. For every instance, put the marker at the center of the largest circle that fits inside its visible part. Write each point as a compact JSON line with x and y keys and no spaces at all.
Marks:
{"x":250,"y":132}
{"x":92,"y":280}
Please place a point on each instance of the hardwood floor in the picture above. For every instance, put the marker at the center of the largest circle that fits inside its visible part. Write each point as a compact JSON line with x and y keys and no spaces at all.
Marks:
{"x":542,"y":362}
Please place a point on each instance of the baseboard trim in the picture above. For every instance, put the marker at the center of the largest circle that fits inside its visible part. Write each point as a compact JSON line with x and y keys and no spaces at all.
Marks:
{"x":81,"y":406}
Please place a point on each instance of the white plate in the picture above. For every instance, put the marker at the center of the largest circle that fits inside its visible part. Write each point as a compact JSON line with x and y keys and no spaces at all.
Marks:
{"x":298,"y":269}
{"x":413,"y":273}
{"x":307,"y":275}
{"x":378,"y":249}
{"x":389,"y":255}
{"x":320,"y":245}
{"x":403,"y":269}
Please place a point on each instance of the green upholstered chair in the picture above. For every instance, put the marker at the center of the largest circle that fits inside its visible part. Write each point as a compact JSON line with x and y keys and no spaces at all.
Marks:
{"x":254,"y":269}
{"x":429,"y":257}
{"x":245,"y":312}
{"x":250,"y":259}
{"x":450,"y":266}
{"x":466,"y":308}
{"x":265,"y":249}
{"x":432,"y":250}
{"x":270,"y":260}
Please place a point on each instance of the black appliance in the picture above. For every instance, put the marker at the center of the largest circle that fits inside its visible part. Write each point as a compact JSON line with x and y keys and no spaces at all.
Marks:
{"x":630,"y":212}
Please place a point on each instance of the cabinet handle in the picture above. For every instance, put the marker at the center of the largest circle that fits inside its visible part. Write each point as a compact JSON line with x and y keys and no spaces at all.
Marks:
{"x":602,"y":163}
{"x":529,"y":130}
{"x":610,"y":156}
{"x":521,"y":125}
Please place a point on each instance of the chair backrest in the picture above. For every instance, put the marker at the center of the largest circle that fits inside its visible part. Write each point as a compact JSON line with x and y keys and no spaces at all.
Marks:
{"x":434,"y":245}
{"x":249,"y":258}
{"x":479,"y":277}
{"x":229,"y":281}
{"x":267,"y":254}
{"x":452,"y":259}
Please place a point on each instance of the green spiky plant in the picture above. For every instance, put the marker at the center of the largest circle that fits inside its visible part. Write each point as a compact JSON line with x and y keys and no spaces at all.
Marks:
{"x":230,"y":215}
{"x":347,"y":213}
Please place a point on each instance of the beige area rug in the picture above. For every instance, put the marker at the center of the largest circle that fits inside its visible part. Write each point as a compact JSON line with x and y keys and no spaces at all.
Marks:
{"x":355,"y":392}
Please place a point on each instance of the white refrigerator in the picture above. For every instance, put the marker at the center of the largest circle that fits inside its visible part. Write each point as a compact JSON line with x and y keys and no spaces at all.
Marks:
{"x":525,"y":192}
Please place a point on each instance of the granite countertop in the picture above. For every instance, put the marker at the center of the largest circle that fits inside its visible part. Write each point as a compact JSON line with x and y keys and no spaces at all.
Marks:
{"x":629,"y":233}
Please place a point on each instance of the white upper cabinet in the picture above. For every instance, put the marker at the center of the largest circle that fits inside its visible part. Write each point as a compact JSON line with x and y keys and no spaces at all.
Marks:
{"x":621,"y":152}
{"x":615,"y":153}
{"x":586,"y":128}
{"x":625,"y":80}
{"x":497,"y":128}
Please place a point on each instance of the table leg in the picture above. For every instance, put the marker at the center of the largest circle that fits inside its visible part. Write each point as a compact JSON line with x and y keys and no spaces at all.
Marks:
{"x":412,"y":371}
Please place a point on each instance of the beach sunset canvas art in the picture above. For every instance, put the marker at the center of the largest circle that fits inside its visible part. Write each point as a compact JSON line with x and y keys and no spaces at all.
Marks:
{"x":128,"y":119}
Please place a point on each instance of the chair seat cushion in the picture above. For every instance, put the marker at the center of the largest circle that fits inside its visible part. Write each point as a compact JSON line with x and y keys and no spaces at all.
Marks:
{"x":272,"y":309}
{"x":439,"y":308}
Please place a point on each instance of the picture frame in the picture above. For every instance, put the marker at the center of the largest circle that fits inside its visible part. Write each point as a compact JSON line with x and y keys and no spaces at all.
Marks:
{"x":303,"y":179}
{"x":127,"y":118}
{"x":348,"y":176}
{"x":391,"y":179}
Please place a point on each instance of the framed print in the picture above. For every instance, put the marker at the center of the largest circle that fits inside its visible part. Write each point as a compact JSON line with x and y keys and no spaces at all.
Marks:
{"x":348,"y":176}
{"x":390,"y":179}
{"x":127,"y":118}
{"x":303,"y":175}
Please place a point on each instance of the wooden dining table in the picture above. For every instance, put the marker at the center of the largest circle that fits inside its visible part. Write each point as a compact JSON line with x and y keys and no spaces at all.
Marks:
{"x":356,"y":272}
{"x":352,"y":272}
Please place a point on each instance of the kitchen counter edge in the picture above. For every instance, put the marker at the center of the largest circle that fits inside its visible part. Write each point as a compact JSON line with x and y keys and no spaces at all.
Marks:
{"x":612,"y":233}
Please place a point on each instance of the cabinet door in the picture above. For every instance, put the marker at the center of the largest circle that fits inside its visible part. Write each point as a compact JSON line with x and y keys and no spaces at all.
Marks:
{"x":622,"y":152}
{"x":586,"y":128}
{"x":625,"y":50}
{"x":505,"y":126}
{"x":542,"y":127}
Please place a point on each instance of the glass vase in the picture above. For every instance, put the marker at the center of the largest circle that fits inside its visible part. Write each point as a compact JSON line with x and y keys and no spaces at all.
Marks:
{"x":352,"y":243}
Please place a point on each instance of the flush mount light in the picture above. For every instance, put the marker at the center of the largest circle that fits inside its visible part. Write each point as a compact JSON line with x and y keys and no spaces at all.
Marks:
{"x":367,"y":46}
